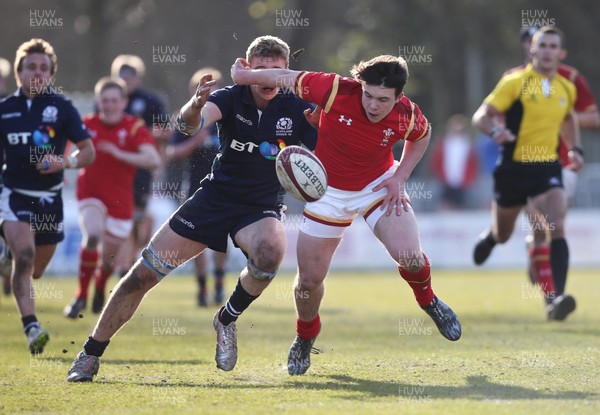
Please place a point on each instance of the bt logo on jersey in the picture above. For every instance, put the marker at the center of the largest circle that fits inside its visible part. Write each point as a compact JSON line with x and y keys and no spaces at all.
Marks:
{"x":43,"y":135}
{"x":267,"y":149}
{"x":270,"y":150}
{"x":18,"y":138}
{"x":239,"y":146}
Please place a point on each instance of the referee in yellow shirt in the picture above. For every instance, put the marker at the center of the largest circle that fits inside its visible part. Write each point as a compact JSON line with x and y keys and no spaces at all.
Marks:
{"x":524,"y":114}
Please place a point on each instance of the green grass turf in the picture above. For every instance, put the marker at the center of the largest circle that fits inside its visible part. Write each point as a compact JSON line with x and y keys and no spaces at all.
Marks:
{"x":380,"y":352}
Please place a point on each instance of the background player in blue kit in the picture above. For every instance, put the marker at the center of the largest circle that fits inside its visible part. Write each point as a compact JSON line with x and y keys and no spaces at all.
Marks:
{"x":241,"y":199}
{"x":199,"y":151}
{"x":35,"y":123}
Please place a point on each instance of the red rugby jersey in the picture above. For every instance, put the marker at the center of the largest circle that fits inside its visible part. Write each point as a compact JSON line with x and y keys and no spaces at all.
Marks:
{"x":354,"y":150}
{"x":584,"y":101}
{"x":107,"y":178}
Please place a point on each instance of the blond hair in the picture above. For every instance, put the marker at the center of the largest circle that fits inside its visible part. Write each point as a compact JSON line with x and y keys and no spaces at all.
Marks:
{"x":129,"y":61}
{"x":195,"y":79}
{"x":4,"y":68}
{"x":268,"y":47}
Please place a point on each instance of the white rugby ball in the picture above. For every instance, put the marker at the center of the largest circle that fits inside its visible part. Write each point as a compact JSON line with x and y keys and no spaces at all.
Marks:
{"x":301,"y":173}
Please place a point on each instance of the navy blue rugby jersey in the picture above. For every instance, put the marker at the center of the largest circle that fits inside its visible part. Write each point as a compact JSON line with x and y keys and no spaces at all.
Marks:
{"x":148,"y":106}
{"x":31,"y":129}
{"x":250,"y":140}
{"x":199,"y":163}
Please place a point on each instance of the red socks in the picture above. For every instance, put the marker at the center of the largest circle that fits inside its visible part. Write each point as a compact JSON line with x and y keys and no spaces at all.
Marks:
{"x":308,"y":329}
{"x":420,"y":282}
{"x":542,"y":271}
{"x":88,"y":261}
{"x":102,"y":278}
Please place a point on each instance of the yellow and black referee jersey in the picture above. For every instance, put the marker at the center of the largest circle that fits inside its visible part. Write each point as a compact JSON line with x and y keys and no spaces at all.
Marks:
{"x":534,"y":108}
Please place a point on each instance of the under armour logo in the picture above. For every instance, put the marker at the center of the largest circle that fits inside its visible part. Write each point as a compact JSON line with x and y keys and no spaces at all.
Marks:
{"x":348,"y":121}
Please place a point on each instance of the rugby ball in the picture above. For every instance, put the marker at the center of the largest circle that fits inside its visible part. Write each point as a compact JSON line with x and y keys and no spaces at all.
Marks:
{"x":301,"y":173}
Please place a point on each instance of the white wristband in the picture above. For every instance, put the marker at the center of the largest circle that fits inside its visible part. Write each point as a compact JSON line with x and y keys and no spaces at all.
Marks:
{"x":72,"y":159}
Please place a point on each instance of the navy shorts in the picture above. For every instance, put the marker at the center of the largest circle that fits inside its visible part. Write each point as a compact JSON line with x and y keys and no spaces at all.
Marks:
{"x":142,"y":186}
{"x":44,"y":214}
{"x":209,"y":217}
{"x":515,"y":183}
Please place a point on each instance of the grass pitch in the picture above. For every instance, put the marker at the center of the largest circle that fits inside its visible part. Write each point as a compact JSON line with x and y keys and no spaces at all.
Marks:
{"x":380,"y":352}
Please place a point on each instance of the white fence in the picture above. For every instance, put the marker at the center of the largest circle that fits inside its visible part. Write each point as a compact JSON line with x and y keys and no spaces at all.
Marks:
{"x":446,"y":237}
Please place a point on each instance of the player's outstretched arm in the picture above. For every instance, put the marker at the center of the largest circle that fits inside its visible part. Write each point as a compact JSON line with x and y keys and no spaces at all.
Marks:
{"x":197,"y":112}
{"x":486,"y":120}
{"x":273,"y":78}
{"x":146,"y":157}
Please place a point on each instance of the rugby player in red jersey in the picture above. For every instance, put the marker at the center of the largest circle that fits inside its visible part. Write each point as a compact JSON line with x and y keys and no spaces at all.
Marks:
{"x":147,"y":105}
{"x":105,"y":188}
{"x":361,"y":119}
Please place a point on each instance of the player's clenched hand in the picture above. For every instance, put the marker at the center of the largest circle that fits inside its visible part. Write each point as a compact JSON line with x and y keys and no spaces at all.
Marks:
{"x":396,"y":196}
{"x":313,"y":116}
{"x":203,"y":91}
{"x":504,"y":135}
{"x":575,"y":161}
{"x":238,"y":66}
{"x":51,"y":163}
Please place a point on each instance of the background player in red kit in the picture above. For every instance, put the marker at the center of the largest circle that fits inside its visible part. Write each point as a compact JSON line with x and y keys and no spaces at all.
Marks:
{"x":361,"y":120}
{"x":105,"y":188}
{"x":149,"y":106}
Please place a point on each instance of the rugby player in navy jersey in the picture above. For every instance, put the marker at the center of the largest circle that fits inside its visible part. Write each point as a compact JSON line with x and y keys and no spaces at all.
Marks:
{"x":35,"y":124}
{"x":241,"y":199}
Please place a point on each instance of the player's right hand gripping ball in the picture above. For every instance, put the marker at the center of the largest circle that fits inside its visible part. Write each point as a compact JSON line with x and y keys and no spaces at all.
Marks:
{"x":301,"y":173}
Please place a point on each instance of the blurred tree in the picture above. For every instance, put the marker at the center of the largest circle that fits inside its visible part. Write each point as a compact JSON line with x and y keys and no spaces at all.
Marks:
{"x":458,"y":49}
